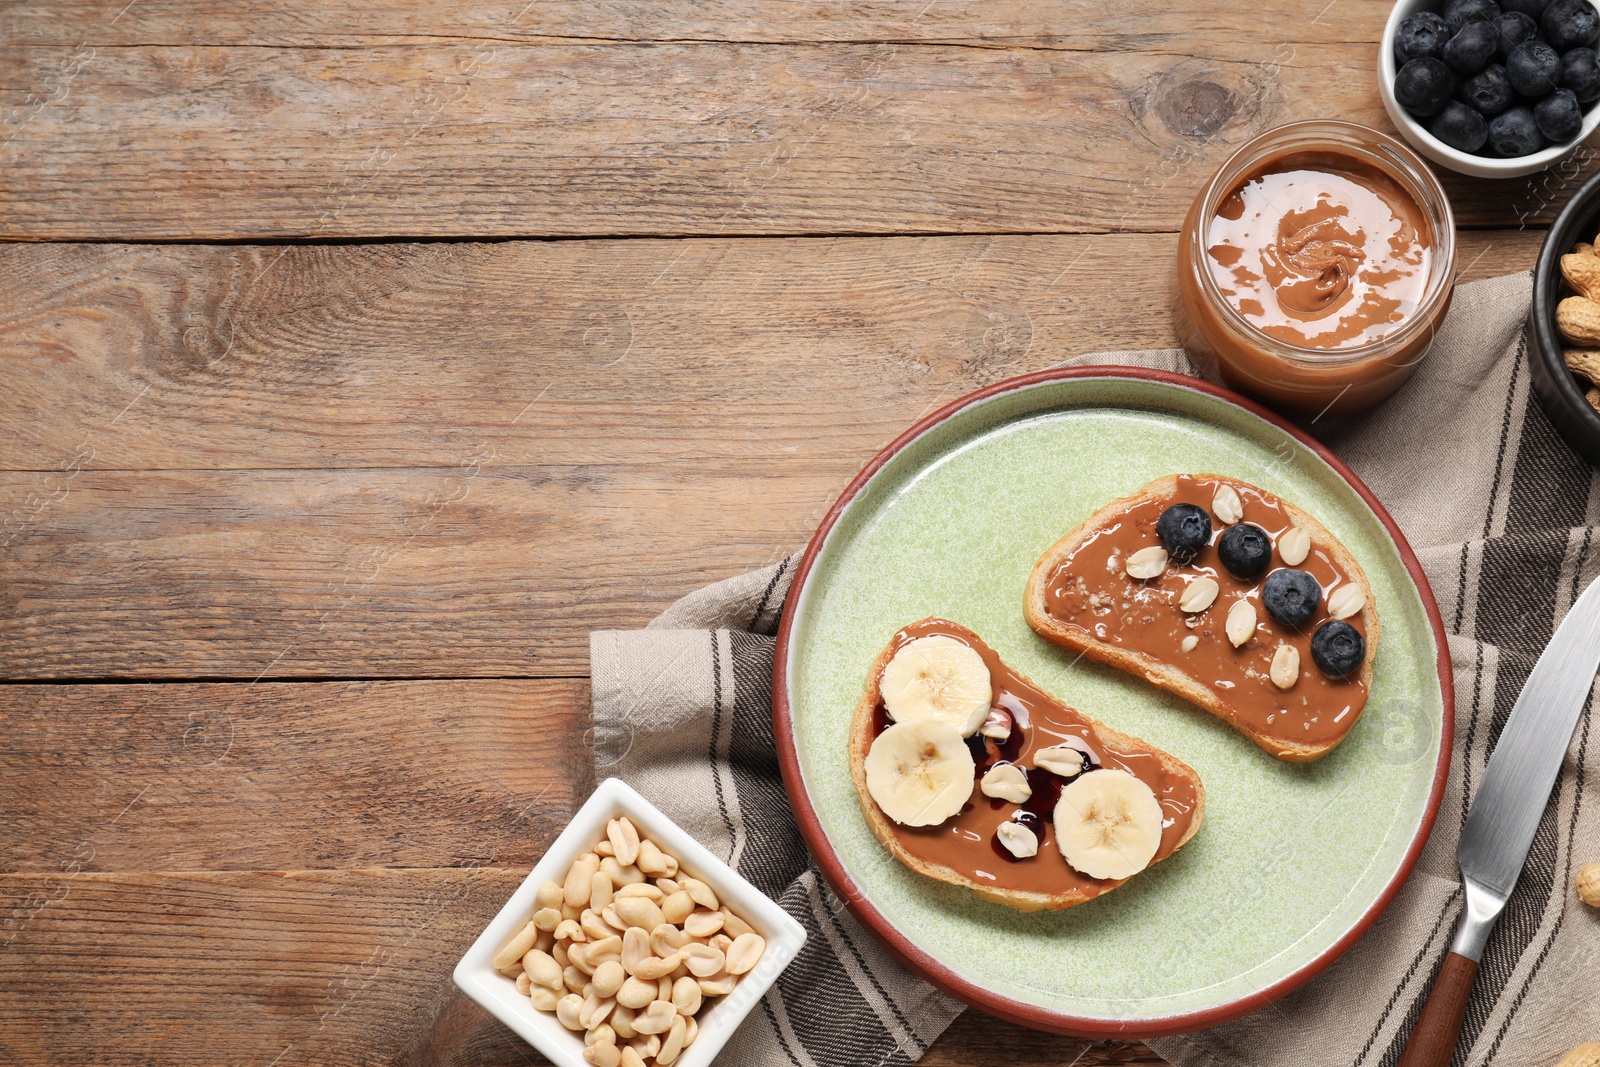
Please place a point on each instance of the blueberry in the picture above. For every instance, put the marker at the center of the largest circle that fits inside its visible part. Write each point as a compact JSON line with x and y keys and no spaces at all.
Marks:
{"x":1488,"y":92}
{"x":1460,"y":127}
{"x":1245,"y":550}
{"x":1338,"y":648}
{"x":1580,"y":72}
{"x":1558,"y":116}
{"x":1291,"y":596}
{"x":1184,"y":530}
{"x":1515,"y":133}
{"x":1422,"y":34}
{"x":1531,"y":8}
{"x":1457,"y":13}
{"x":1470,"y":50}
{"x":1533,"y":68}
{"x":1423,"y":85}
{"x":1569,"y":24}
{"x":1511,"y":29}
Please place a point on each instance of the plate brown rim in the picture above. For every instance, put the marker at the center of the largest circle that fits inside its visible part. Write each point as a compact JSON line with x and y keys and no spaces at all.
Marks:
{"x":941,"y":976}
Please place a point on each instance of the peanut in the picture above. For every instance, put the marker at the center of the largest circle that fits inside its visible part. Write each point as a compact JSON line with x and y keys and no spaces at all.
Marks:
{"x":653,"y":861}
{"x":642,"y":889}
{"x":600,"y":891}
{"x":595,"y":1010}
{"x":1583,"y":361}
{"x":549,"y":895}
{"x":657,"y":967}
{"x":621,"y":875}
{"x":608,"y":978}
{"x":567,"y":1009}
{"x":1586,"y":1055}
{"x":1285,"y":669}
{"x":1582,"y":272}
{"x":1593,"y":397}
{"x":624,"y":838}
{"x":639,"y":911}
{"x":580,"y":879}
{"x":1589,"y":885}
{"x":516,"y":948}
{"x":703,"y":923}
{"x":703,"y":960}
{"x":542,"y":969}
{"x":745,"y":953}
{"x":544,"y":999}
{"x":718,"y":985}
{"x":677,"y":907}
{"x":673,"y":1045}
{"x":686,"y":995}
{"x":630,"y":1058}
{"x":603,"y":1055}
{"x":636,"y":993}
{"x":657,"y":1018}
{"x":635,"y":948}
{"x":1578,"y":319}
{"x":667,"y":939}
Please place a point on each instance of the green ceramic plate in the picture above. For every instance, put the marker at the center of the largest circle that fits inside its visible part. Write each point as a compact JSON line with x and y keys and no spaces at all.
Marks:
{"x":1293,"y":860}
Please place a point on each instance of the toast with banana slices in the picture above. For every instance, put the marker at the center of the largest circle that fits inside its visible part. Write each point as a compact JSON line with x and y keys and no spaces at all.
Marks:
{"x":971,"y":774}
{"x":1222,"y":593}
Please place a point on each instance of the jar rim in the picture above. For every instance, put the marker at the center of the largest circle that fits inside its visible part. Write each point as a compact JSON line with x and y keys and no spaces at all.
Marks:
{"x":1374,"y":148}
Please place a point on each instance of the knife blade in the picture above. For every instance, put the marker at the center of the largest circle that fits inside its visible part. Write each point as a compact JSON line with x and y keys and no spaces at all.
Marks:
{"x":1505,"y":815}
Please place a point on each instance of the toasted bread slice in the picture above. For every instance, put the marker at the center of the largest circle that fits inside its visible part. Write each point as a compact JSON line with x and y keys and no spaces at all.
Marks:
{"x":1250,"y":701}
{"x":1044,"y":881}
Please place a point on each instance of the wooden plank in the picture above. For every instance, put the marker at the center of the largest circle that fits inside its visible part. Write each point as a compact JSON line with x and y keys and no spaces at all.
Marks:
{"x":327,"y":967}
{"x":675,"y":352}
{"x":331,"y":968}
{"x":758,"y":378}
{"x":289,"y":776}
{"x":582,"y":140}
{"x":348,"y":23}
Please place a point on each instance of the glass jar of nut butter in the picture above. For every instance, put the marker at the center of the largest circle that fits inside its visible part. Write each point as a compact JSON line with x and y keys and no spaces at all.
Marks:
{"x":1315,"y":268}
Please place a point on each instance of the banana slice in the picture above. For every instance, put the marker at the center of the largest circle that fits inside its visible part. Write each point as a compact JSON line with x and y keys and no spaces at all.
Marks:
{"x":937,"y":677}
{"x":920,"y":773}
{"x":1108,"y":824}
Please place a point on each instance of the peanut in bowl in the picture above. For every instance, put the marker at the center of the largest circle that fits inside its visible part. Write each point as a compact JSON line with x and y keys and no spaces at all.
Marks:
{"x":523,"y":967}
{"x":1564,"y":323}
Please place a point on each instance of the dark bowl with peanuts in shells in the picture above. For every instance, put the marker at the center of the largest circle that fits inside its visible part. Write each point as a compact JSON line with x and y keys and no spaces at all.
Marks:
{"x":1564,"y":323}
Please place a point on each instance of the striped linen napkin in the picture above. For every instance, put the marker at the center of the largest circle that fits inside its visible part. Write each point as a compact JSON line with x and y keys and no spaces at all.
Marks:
{"x":1502,"y":516}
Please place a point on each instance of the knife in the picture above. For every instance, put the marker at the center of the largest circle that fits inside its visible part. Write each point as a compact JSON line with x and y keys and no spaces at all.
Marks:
{"x":1505,"y":813}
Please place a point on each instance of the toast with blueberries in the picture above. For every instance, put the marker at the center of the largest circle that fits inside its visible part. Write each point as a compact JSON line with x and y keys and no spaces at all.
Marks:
{"x":1220,"y":592}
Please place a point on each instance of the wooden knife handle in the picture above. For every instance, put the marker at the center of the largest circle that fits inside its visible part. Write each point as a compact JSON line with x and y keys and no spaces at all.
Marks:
{"x":1433,"y":1041}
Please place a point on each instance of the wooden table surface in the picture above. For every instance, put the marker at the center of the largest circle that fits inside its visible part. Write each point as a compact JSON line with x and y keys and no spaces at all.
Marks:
{"x":360,"y":358}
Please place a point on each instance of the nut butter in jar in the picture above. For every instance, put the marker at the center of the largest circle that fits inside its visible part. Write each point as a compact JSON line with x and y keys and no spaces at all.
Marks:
{"x":1315,"y":268}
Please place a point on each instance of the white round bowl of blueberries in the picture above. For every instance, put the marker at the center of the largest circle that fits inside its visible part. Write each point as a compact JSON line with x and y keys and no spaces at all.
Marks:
{"x":1492,"y":89}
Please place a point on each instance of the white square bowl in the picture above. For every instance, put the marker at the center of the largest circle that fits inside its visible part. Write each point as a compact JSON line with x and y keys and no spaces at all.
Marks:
{"x":476,"y":977}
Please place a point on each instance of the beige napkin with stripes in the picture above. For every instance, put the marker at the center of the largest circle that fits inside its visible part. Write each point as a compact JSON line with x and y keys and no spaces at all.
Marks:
{"x":1503,"y":517}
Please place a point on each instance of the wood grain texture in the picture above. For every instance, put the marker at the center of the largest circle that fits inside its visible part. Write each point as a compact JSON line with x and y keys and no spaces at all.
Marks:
{"x":289,"y":776}
{"x":490,"y":139}
{"x":324,"y":968}
{"x":682,"y":431}
{"x":1433,"y":1040}
{"x":348,"y":23}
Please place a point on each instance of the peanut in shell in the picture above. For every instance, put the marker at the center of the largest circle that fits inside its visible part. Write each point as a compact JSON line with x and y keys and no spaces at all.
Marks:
{"x":1578,"y":319}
